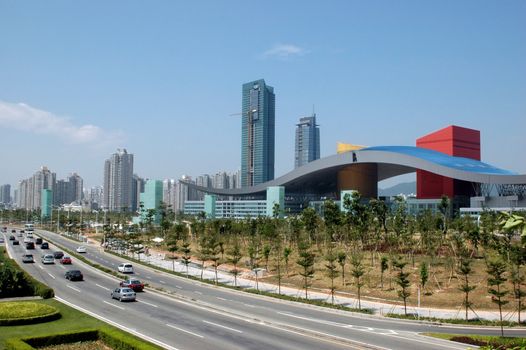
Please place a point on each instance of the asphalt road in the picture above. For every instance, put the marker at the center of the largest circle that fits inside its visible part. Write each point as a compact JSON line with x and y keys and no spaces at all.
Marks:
{"x":203,"y":316}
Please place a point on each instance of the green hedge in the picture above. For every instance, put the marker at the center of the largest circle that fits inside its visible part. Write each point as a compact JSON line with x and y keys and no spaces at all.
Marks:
{"x":30,"y":320}
{"x":114,"y":338}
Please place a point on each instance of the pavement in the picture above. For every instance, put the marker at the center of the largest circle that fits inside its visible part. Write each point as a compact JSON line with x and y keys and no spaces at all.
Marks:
{"x":246,"y":280}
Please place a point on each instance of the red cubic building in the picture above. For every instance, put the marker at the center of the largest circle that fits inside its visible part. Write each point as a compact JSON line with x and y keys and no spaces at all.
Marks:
{"x":454,"y":141}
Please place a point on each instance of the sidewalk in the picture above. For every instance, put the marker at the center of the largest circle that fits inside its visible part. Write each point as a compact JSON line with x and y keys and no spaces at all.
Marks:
{"x":244,"y":281}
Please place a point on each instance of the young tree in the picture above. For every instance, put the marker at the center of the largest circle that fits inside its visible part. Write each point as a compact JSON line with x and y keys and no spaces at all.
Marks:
{"x":517,"y":279}
{"x":254,"y":251}
{"x":424,"y":275}
{"x":186,"y":250}
{"x":465,"y":271}
{"x":172,"y":248}
{"x":342,"y":257}
{"x":496,"y":269}
{"x":384,"y":265}
{"x":286,"y":254}
{"x":357,"y":272}
{"x":234,"y":257}
{"x":266,"y":254}
{"x":402,"y":279}
{"x":204,"y":251}
{"x":306,"y":261}
{"x":332,"y":270}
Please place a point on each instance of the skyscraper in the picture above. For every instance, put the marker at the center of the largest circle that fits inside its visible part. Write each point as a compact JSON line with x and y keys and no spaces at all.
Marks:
{"x":307,"y":141}
{"x":118,"y":177}
{"x":5,"y":194}
{"x":257,"y":133}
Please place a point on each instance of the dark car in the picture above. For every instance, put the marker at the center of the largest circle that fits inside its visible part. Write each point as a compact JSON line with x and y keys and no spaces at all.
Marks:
{"x":44,"y":245}
{"x":133,"y":283}
{"x":30,"y":245}
{"x":58,"y":254}
{"x":12,"y":238}
{"x":15,"y":242}
{"x":74,"y":275}
{"x":38,"y":240}
{"x":13,"y":231}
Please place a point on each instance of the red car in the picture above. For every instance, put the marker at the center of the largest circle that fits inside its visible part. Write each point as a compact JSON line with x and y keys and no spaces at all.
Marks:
{"x":134,"y":284}
{"x":65,"y":260}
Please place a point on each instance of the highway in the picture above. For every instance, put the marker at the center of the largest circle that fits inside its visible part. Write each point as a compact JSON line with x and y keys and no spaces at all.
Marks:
{"x":197,"y":315}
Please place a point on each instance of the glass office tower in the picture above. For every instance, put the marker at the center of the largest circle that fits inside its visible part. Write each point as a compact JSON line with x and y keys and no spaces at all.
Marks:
{"x":307,"y":141}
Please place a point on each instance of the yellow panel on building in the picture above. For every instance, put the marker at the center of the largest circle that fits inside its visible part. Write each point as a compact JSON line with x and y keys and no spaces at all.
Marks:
{"x":347,"y":147}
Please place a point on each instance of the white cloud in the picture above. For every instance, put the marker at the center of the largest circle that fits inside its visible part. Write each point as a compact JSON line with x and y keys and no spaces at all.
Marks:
{"x":284,"y":51}
{"x":20,"y":116}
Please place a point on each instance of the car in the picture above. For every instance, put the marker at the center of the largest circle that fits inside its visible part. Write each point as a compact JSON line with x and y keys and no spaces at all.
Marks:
{"x":19,"y":234}
{"x":30,"y":245}
{"x":44,"y":245}
{"x":38,"y":240}
{"x":47,"y":259}
{"x":133,"y":283}
{"x":22,"y":231}
{"x":29,"y":235}
{"x":15,"y":242}
{"x":74,"y":275}
{"x":66,"y":260}
{"x":12,"y":238}
{"x":1,"y":239}
{"x":123,"y":294}
{"x":27,"y":240}
{"x":27,"y":258}
{"x":13,"y":231}
{"x":81,"y":249}
{"x":125,"y":268}
{"x":58,"y":254}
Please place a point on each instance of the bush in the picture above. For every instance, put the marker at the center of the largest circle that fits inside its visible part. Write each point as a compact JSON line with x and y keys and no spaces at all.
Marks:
{"x":62,"y":338}
{"x":19,"y":313}
{"x":120,"y":341}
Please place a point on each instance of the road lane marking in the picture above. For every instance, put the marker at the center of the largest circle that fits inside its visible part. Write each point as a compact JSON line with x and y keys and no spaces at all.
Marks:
{"x":184,"y":330}
{"x":221,"y":298}
{"x":75,"y":289}
{"x":225,"y":327}
{"x":163,"y":282}
{"x":62,"y":266}
{"x":51,"y":275}
{"x":248,"y":305}
{"x":178,"y":287}
{"x":118,"y":307}
{"x":198,"y":292}
{"x":98,"y":285}
{"x":40,"y":266}
{"x":144,"y":302}
{"x":133,"y":331}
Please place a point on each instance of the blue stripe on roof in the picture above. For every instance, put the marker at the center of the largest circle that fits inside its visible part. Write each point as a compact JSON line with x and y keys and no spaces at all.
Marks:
{"x":459,"y":163}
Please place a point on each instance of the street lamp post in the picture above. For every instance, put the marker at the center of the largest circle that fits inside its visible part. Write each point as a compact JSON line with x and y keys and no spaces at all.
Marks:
{"x":58,"y":220}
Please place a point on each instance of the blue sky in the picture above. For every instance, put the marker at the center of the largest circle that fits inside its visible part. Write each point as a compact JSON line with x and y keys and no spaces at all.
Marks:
{"x":80,"y":79}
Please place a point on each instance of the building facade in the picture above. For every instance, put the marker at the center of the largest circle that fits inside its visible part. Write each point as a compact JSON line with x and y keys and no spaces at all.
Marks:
{"x":307,"y":143}
{"x":257,"y":133}
{"x":5,"y":194}
{"x":118,"y":178}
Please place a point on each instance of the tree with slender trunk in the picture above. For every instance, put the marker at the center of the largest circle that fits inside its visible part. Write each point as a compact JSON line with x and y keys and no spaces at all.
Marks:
{"x":424,"y":275}
{"x":384,"y":265}
{"x":496,"y":270}
{"x":286,"y":255}
{"x":306,"y":261}
{"x":234,"y":257}
{"x":332,"y":270}
{"x":186,"y":250}
{"x":517,"y":279}
{"x":342,"y":257}
{"x":204,"y":252}
{"x":402,"y":279}
{"x":357,"y":271}
{"x":266,"y":254}
{"x":254,"y":251}
{"x":465,"y":271}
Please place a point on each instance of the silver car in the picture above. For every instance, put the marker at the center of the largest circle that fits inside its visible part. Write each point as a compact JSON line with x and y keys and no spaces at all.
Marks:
{"x":48,"y":259}
{"x":123,"y":294}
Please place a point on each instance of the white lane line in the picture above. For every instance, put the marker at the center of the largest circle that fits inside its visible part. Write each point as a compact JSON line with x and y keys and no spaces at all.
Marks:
{"x":98,"y":285}
{"x":221,"y":298}
{"x":198,"y":292}
{"x":178,"y":287}
{"x":144,"y":302}
{"x":225,"y":327}
{"x":148,"y":277}
{"x":118,"y":307}
{"x":51,"y":275}
{"x":40,"y":266}
{"x":330,"y":323}
{"x":62,"y":266}
{"x":75,"y":289}
{"x":248,"y":305}
{"x":163,"y":282}
{"x":138,"y":274}
{"x":184,"y":330}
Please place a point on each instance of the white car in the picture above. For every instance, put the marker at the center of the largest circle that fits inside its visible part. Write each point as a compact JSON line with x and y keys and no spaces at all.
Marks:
{"x":81,"y":249}
{"x":125,"y":268}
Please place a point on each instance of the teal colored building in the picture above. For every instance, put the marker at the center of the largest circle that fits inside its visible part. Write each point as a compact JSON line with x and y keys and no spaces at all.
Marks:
{"x":275,"y":195}
{"x":210,"y":206}
{"x":46,"y":204}
{"x":151,"y":199}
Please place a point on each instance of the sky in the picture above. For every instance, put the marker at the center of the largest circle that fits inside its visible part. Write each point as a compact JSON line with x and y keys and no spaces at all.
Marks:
{"x":78,"y":80}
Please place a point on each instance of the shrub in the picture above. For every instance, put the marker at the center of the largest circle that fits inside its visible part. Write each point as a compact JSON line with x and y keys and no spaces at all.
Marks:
{"x":19,"y":313}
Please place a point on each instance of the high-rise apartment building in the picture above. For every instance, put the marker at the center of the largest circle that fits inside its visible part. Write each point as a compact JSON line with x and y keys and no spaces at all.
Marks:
{"x":307,"y":141}
{"x":169,"y":192}
{"x":257,"y":133}
{"x":5,"y":194}
{"x":69,"y":190}
{"x":118,"y":178}
{"x":138,"y":184}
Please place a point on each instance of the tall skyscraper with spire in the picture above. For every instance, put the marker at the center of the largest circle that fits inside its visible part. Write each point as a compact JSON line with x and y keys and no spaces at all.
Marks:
{"x":257,"y":133}
{"x":307,"y":141}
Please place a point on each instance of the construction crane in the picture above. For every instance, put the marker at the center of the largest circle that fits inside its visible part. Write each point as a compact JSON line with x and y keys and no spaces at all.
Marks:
{"x":250,"y":133}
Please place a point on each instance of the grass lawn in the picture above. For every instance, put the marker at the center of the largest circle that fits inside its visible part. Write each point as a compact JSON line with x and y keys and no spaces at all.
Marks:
{"x":486,"y":342}
{"x":71,"y":320}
